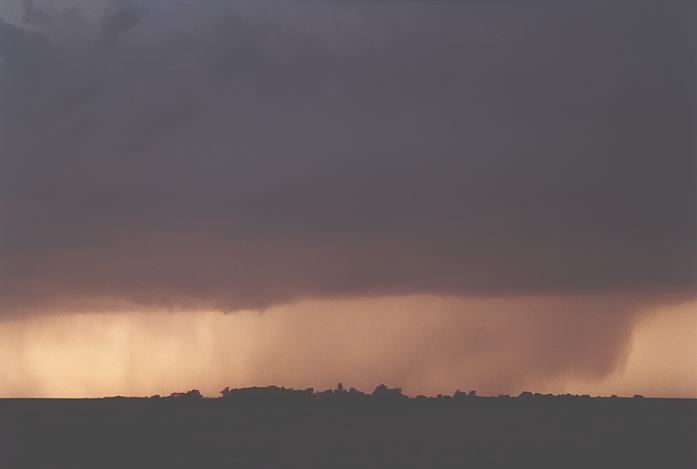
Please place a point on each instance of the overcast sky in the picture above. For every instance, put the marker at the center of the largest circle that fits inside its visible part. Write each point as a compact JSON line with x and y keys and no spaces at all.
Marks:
{"x":247,"y":155}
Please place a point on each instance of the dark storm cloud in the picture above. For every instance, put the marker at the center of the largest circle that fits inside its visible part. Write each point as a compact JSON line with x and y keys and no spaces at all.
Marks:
{"x":120,"y":17}
{"x":236,"y":156}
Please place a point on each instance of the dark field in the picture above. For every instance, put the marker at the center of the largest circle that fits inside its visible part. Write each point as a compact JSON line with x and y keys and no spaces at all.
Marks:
{"x":273,"y":432}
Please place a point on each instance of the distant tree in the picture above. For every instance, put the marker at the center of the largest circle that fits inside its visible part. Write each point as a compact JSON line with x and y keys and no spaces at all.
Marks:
{"x":383,"y":392}
{"x":355,"y":394}
{"x":193,"y":394}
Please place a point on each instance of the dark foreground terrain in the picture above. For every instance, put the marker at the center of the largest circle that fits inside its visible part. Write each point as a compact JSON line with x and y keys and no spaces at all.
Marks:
{"x":337,"y":429}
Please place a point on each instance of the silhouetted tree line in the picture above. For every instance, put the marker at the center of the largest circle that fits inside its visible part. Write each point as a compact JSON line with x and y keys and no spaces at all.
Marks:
{"x":381,"y":393}
{"x":277,"y":393}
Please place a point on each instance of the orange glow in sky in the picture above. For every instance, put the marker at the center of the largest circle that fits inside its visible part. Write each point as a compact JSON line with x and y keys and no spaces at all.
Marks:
{"x":494,"y":346}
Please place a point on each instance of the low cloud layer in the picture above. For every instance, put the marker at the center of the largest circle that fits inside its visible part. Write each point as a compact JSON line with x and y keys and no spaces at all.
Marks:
{"x":228,"y":157}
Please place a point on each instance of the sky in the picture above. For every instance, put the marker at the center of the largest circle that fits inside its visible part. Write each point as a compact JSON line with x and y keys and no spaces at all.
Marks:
{"x":491,"y":195}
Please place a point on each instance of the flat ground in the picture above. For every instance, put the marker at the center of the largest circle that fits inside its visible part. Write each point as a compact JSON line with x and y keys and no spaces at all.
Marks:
{"x":272,"y":433}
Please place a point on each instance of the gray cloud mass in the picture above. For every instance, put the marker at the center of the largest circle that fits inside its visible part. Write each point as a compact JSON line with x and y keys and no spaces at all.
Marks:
{"x":233,"y":156}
